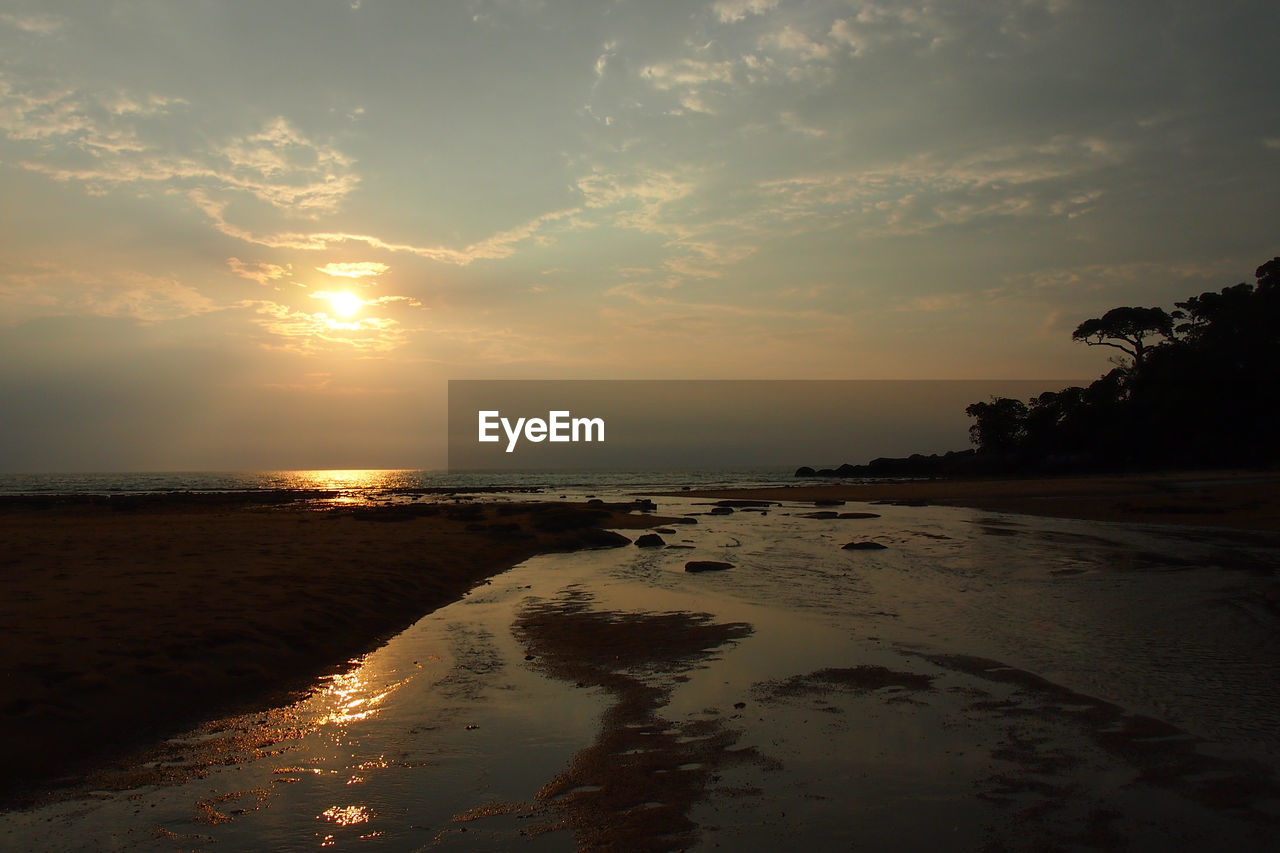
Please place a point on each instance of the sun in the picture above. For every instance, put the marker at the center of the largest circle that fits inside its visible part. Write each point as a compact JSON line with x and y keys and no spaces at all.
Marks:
{"x":345,"y":303}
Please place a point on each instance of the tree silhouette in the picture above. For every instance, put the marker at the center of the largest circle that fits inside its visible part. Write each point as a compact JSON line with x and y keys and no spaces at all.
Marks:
{"x":1199,"y":393}
{"x":1126,"y":329}
{"x":999,"y":425}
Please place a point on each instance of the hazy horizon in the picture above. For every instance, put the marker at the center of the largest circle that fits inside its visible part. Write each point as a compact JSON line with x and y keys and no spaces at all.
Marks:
{"x":264,"y":237}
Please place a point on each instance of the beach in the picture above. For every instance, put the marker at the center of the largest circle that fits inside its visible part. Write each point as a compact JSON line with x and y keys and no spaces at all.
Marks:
{"x":195,"y":674}
{"x":127,"y":619}
{"x":1248,"y":500}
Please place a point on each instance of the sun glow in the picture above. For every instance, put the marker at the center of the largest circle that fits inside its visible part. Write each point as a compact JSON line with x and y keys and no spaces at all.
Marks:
{"x":345,"y":303}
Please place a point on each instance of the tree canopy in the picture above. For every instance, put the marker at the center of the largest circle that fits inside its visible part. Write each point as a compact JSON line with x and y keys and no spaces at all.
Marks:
{"x":1126,"y":329}
{"x":1199,"y":389}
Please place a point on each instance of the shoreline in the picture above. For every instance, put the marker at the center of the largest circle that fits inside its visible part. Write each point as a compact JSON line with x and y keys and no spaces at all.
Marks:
{"x":133,"y":619}
{"x":1243,"y":500}
{"x":130,"y":621}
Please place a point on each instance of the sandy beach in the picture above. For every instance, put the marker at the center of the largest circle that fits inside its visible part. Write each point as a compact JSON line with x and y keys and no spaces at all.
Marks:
{"x":186,"y":672}
{"x":126,"y":620}
{"x":1248,"y":500}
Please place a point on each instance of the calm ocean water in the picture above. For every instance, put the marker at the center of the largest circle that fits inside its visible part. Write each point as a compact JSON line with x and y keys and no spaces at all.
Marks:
{"x":373,"y":483}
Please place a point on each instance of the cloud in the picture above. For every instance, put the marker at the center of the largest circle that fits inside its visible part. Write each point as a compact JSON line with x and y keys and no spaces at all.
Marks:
{"x":928,"y":190}
{"x":691,"y":80}
{"x":731,"y":11}
{"x":306,"y":333}
{"x":38,"y":24}
{"x":54,"y":290}
{"x":844,"y":32}
{"x":359,"y":269}
{"x":791,"y":39}
{"x":684,"y":73}
{"x":602,"y":61}
{"x":110,"y":139}
{"x":262,"y":273}
{"x":497,"y":246}
{"x":286,"y":169}
{"x":791,"y":122}
{"x":638,"y":199}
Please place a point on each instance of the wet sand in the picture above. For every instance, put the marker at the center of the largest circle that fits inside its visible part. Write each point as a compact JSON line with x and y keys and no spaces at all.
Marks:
{"x":959,"y":689}
{"x":1247,"y":500}
{"x":128,"y":620}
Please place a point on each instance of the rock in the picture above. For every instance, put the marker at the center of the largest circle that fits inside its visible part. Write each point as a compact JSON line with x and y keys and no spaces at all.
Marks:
{"x":721,"y":510}
{"x":706,"y":566}
{"x":595,"y":502}
{"x":828,"y":502}
{"x":650,"y":540}
{"x":685,"y":520}
{"x":827,"y":513}
{"x":645,"y":505}
{"x":680,"y":547}
{"x":863,"y":546}
{"x":859,"y":515}
{"x":805,"y":471}
{"x":741,"y":503}
{"x":666,"y":530}
{"x":592,"y":538}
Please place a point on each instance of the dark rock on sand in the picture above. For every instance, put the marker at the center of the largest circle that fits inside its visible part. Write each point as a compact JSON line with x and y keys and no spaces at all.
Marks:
{"x":863,"y":546}
{"x":666,"y":530}
{"x":594,"y":537}
{"x":826,"y":513}
{"x":859,"y":515}
{"x":721,"y":510}
{"x":650,"y":540}
{"x":745,"y":503}
{"x":685,"y":520}
{"x":828,"y":502}
{"x":645,"y":505}
{"x":706,"y":566}
{"x":680,"y":547}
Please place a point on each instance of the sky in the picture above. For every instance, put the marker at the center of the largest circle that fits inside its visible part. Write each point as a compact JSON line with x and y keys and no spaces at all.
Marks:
{"x":514,"y":189}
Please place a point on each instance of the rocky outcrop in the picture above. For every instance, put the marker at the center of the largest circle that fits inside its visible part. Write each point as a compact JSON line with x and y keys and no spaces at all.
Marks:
{"x":706,"y":566}
{"x":864,"y":546}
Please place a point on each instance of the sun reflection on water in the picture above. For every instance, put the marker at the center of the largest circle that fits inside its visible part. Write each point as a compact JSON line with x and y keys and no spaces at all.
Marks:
{"x":353,"y":485}
{"x":350,"y":698}
{"x":347,"y":815}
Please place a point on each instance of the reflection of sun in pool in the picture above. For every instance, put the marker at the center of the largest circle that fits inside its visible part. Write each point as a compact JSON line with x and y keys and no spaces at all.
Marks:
{"x":345,"y":303}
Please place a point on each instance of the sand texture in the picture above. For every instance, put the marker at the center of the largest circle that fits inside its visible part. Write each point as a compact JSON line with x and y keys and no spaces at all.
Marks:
{"x":126,"y":621}
{"x":1246,"y":500}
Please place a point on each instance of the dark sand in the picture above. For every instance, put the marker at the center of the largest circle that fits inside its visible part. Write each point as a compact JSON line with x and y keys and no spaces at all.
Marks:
{"x":1240,"y":499}
{"x":127,"y":621}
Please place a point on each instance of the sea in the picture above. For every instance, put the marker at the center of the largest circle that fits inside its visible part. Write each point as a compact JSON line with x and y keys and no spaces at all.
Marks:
{"x":382,"y":485}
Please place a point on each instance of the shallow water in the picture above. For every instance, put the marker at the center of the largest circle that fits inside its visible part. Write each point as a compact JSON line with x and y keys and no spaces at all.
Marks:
{"x":831,"y":698}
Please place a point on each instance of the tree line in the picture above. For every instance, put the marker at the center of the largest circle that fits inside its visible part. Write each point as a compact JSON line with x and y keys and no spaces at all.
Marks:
{"x":1192,"y":387}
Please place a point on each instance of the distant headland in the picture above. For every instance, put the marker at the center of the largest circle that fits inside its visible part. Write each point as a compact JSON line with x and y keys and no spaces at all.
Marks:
{"x":1195,"y":387}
